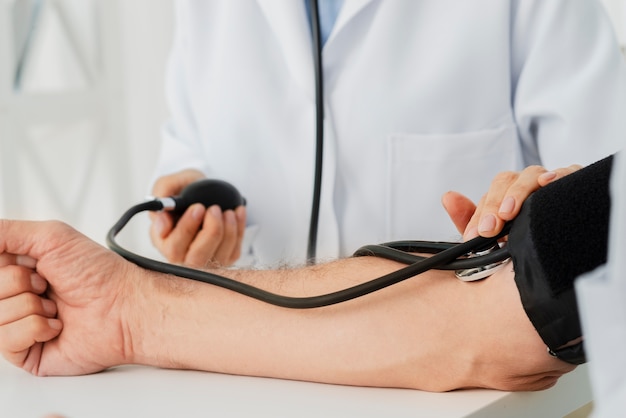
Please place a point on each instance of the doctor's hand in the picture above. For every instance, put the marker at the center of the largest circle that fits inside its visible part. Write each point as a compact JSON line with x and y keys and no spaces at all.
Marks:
{"x":501,"y":203}
{"x":63,"y":300}
{"x":201,"y":237}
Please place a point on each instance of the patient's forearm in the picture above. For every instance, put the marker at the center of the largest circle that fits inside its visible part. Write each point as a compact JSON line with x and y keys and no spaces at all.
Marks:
{"x":431,"y":332}
{"x":235,"y":334}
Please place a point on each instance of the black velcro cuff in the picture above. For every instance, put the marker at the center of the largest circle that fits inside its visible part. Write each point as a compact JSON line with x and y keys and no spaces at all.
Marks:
{"x":560,"y":234}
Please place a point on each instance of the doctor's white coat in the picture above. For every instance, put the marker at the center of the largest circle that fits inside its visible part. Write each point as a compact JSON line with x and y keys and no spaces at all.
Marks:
{"x":422,"y":97}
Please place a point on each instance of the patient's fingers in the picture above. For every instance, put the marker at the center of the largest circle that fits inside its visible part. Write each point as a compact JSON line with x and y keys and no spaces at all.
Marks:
{"x":23,"y":305}
{"x":19,"y":336}
{"x":15,"y":280}
{"x":7,"y":259}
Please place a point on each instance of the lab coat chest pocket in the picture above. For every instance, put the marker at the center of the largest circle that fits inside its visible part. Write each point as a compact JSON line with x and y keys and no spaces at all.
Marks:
{"x":422,"y":167}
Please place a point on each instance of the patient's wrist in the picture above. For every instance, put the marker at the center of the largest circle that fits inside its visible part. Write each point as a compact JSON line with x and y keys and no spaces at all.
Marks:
{"x":150,"y":302}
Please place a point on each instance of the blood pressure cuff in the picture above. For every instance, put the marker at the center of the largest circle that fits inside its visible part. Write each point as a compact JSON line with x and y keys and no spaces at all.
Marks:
{"x":561,"y":233}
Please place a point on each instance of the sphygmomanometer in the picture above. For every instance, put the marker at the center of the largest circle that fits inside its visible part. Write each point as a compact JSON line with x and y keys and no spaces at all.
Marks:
{"x":545,"y":263}
{"x":446,"y":256}
{"x":544,"y":243}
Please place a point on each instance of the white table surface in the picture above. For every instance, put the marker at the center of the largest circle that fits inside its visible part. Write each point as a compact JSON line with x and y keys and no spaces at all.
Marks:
{"x":134,"y":391}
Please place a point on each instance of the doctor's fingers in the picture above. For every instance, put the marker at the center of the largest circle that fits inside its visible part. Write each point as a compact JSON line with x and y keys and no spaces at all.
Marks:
{"x":553,"y":175}
{"x":460,"y":209}
{"x":16,"y":279}
{"x":173,"y":184}
{"x":161,"y":225}
{"x":508,"y":192}
{"x":219,"y":241}
{"x":234,"y":227}
{"x":174,"y":246}
{"x":502,"y":202}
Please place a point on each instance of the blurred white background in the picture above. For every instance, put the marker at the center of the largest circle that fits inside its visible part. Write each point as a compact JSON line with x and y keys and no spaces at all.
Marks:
{"x":81,"y":106}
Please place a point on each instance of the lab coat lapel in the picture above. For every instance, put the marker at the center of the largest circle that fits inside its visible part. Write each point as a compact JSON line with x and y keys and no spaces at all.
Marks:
{"x":348,"y":11}
{"x":289,"y":21}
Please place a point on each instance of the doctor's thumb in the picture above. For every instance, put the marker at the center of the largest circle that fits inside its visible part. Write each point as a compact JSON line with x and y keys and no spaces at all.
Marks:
{"x":460,"y":209}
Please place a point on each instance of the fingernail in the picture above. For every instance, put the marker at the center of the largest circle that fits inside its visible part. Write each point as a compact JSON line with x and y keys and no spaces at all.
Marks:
{"x":230,"y":217}
{"x":487,"y":223}
{"x":548,"y":176}
{"x":55,"y":323}
{"x":470,"y":233}
{"x":26,"y":261}
{"x":507,"y":206}
{"x":38,"y":283}
{"x":49,"y":307}
{"x":240,"y":213}
{"x":197,"y":212}
{"x":216,"y":211}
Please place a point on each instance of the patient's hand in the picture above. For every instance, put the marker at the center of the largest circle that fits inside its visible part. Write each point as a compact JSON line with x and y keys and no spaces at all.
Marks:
{"x":50,"y":271}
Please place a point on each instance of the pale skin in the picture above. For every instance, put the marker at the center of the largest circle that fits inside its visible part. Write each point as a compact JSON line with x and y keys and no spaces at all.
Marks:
{"x":69,"y":306}
{"x":209,"y":238}
{"x":202,"y":237}
{"x":502,"y":202}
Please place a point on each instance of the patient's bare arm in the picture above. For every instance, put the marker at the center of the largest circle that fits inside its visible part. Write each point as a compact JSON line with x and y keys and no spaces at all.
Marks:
{"x":432,"y":332}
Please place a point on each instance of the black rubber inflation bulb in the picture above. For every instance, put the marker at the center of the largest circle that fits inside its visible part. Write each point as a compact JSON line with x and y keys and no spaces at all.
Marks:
{"x":209,"y":192}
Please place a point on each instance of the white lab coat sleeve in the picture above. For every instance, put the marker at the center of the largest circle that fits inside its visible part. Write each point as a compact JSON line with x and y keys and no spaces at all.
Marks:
{"x":602,"y":304}
{"x":181,"y":147}
{"x":569,"y":82}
